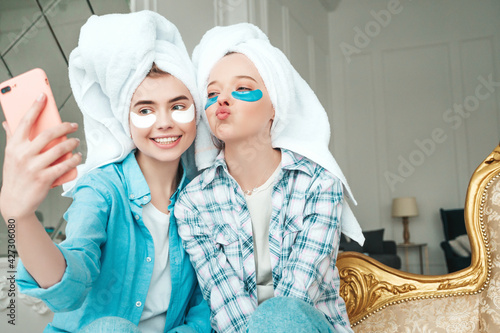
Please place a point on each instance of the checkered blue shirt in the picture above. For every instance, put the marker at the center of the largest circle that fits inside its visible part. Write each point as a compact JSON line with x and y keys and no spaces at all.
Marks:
{"x":304,"y":232}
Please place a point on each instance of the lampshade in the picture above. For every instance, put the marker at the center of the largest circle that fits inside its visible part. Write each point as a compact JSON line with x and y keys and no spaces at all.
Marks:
{"x":404,"y":207}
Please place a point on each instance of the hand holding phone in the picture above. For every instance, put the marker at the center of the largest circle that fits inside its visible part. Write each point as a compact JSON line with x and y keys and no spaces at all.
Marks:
{"x":28,"y":174}
{"x":16,"y":98}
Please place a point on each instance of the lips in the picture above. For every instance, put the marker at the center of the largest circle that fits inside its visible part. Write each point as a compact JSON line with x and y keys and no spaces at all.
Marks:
{"x":166,"y":141}
{"x":222,"y":113}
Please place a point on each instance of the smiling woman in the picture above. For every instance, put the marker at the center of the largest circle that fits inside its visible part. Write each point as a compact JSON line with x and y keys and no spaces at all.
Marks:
{"x":121,"y":228}
{"x":156,"y":108}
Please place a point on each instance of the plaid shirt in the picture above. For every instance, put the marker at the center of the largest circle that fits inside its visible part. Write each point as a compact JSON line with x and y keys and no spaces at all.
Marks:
{"x":214,"y":223}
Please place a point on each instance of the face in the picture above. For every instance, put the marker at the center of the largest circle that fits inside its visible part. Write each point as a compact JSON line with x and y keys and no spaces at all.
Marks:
{"x":238,"y":107}
{"x":162,"y":119}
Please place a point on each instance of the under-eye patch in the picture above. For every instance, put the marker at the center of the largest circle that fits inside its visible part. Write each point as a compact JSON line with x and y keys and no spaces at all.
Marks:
{"x":248,"y":96}
{"x":185,"y":116}
{"x":142,"y":121}
{"x":211,"y":101}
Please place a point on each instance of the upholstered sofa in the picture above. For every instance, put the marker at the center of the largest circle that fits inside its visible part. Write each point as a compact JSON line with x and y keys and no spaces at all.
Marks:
{"x":382,"y":299}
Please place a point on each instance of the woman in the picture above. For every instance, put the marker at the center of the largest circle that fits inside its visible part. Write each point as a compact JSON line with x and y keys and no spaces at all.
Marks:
{"x":122,"y":266}
{"x":262,"y":224}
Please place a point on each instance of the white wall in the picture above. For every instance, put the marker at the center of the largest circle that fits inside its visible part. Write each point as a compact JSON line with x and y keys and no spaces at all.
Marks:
{"x":395,"y":83}
{"x":295,"y":26}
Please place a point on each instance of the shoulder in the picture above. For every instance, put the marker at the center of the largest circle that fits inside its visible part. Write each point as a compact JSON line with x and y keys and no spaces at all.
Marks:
{"x":195,"y":183}
{"x":306,"y":170}
{"x":210,"y":186}
{"x":191,"y":193}
{"x":103,"y":175}
{"x":306,"y":180}
{"x":103,"y":180}
{"x":206,"y":180}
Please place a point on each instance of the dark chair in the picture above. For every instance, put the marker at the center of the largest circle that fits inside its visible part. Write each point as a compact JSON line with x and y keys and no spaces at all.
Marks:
{"x":453,"y":226}
{"x":390,"y":256}
{"x":381,"y":250}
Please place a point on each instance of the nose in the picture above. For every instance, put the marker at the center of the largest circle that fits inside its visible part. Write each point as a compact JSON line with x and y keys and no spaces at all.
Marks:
{"x":164,"y":120}
{"x":224,"y":98}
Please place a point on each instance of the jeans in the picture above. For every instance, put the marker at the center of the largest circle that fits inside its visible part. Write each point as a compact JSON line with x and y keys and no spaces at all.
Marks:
{"x":276,"y":315}
{"x":288,"y":314}
{"x":110,"y":325}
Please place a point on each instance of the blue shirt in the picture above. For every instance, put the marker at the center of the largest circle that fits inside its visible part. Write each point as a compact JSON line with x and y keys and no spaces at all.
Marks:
{"x":109,"y":254}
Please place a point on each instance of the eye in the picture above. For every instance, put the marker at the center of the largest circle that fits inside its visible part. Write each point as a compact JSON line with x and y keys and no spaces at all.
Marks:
{"x":144,"y":112}
{"x":178,"y":107}
{"x":211,"y":94}
{"x":243,"y":89}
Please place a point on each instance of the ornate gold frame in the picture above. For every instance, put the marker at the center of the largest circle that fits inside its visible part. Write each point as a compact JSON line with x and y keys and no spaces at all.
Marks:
{"x":368,"y":286}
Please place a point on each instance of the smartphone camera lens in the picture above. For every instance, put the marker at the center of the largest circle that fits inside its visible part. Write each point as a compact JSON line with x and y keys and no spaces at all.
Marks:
{"x":5,"y":89}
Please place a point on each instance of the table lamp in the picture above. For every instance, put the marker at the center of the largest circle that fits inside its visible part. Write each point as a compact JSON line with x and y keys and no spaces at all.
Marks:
{"x":405,"y":207}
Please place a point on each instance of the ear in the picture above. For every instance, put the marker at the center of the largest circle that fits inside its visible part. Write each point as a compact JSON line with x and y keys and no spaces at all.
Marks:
{"x":129,"y":127}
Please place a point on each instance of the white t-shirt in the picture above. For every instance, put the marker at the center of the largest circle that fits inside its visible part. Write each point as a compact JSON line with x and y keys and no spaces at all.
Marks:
{"x":260,"y":207}
{"x":155,"y":308}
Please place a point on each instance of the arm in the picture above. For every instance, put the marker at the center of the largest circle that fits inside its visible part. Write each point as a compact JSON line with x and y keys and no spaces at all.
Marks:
{"x":225,"y":292}
{"x":310,"y":262}
{"x":28,"y":174}
{"x":86,"y":232}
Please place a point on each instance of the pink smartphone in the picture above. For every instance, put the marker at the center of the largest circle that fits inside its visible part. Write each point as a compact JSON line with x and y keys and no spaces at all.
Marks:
{"x":16,"y":97}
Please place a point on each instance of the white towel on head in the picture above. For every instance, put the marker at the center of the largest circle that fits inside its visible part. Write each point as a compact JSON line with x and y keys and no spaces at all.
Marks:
{"x":300,"y":124}
{"x":115,"y":53}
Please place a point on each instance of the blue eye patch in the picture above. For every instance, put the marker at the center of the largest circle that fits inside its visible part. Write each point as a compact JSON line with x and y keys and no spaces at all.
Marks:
{"x":246,"y":96}
{"x":211,"y":101}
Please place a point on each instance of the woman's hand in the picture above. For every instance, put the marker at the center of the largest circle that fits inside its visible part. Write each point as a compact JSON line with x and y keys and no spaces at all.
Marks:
{"x":27,"y":172}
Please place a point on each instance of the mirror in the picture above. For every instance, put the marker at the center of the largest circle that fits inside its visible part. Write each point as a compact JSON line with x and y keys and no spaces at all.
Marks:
{"x":32,"y":37}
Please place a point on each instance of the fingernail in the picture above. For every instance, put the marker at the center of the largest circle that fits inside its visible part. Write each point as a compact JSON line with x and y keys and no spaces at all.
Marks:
{"x":74,"y":125}
{"x":40,"y":98}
